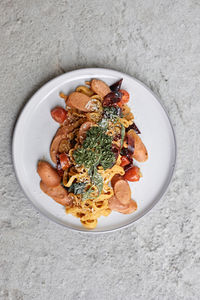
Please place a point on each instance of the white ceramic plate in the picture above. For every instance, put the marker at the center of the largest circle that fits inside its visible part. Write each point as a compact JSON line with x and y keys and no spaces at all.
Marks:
{"x":35,"y":130}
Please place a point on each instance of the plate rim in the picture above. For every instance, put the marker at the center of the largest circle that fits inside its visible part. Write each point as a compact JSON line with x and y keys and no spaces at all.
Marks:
{"x":147,"y":210}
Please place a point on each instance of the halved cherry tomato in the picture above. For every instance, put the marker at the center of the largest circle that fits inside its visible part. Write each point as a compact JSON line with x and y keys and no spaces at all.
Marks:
{"x":124,"y":161}
{"x":59,"y":114}
{"x":64,"y":161}
{"x":125,"y":98}
{"x":133,"y":174}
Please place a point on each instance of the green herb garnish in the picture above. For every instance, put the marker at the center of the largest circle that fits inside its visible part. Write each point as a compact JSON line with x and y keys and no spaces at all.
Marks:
{"x":96,"y":179}
{"x":77,"y":188}
{"x":96,"y":150}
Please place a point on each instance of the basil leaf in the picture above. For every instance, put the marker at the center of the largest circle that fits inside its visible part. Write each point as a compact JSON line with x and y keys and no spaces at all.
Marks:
{"x":97,"y":180}
{"x":77,"y":188}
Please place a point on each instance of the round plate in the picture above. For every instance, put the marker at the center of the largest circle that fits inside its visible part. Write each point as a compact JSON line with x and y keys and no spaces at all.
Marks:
{"x":35,"y":129}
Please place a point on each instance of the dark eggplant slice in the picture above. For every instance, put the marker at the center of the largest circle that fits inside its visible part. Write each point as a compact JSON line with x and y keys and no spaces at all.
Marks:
{"x":115,"y":87}
{"x":134,"y":127}
{"x":112,"y":99}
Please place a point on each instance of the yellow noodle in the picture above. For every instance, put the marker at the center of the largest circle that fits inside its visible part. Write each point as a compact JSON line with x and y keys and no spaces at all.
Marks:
{"x":97,"y":97}
{"x":125,"y":122}
{"x":127,"y":112}
{"x":90,"y":210}
{"x":78,"y":177}
{"x":62,"y":95}
{"x":89,"y":224}
{"x":94,"y":117}
{"x":84,"y":90}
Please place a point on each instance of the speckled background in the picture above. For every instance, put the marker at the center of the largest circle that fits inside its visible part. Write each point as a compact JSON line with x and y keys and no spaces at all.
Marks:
{"x":156,"y":41}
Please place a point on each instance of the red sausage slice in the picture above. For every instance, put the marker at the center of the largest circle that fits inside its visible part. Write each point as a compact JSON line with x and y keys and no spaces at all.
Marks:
{"x":58,"y":193}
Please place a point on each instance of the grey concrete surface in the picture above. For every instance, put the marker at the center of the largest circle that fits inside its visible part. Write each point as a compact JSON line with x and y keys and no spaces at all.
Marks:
{"x":156,"y":41}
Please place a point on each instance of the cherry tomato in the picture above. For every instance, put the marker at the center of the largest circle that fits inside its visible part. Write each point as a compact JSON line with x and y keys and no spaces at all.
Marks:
{"x":133,"y":174}
{"x":125,"y":98}
{"x":64,"y":161}
{"x":124,"y":161}
{"x":59,"y":114}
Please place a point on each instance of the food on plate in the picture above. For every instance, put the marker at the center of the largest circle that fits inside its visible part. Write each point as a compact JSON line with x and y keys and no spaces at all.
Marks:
{"x":48,"y":174}
{"x":79,"y":101}
{"x":99,"y":87}
{"x":58,"y":193}
{"x":140,"y":151}
{"x":94,"y":151}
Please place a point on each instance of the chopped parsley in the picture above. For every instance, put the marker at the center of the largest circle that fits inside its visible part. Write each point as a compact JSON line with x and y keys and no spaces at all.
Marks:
{"x":95,"y":151}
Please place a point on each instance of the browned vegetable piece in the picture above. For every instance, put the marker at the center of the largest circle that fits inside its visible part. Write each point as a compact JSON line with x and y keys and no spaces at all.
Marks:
{"x":140,"y":151}
{"x":134,"y":127}
{"x":58,"y":193}
{"x":115,"y":87}
{"x":48,"y":174}
{"x":112,"y":98}
{"x":100,"y":87}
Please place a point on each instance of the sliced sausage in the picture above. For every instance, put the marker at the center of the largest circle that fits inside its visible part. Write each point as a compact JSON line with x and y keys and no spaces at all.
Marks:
{"x":83,"y":130}
{"x":140,"y":151}
{"x":59,"y":136}
{"x":131,"y":207}
{"x":79,"y":101}
{"x":58,"y":193}
{"x":122,"y":191}
{"x":114,"y":204}
{"x":48,"y":174}
{"x":115,"y":178}
{"x":100,"y":87}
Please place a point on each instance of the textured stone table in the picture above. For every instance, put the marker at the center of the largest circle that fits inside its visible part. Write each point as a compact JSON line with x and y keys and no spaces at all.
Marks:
{"x":159,"y":43}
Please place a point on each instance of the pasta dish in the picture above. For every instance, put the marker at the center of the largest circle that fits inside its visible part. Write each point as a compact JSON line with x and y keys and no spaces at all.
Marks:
{"x":94,"y":151}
